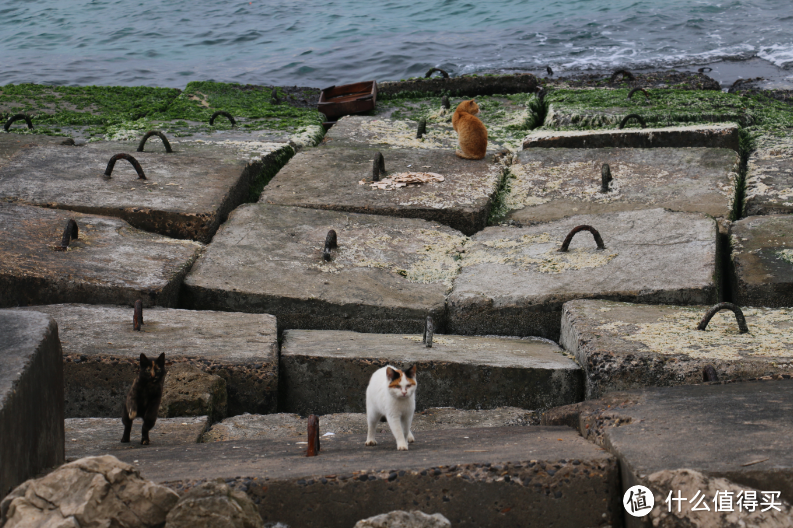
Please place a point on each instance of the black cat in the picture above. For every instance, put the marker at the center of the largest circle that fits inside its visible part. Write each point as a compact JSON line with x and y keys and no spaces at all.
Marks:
{"x":143,"y":398}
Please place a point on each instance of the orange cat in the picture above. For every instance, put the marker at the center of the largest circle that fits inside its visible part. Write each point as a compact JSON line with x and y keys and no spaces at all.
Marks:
{"x":471,"y":132}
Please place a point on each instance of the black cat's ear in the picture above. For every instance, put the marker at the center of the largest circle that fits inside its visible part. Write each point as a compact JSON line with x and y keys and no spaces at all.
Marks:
{"x":392,"y":374}
{"x":144,"y":361}
{"x":161,"y":360}
{"x":411,"y":372}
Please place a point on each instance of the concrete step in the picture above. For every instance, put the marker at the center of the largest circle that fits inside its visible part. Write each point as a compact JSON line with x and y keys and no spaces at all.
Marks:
{"x":186,"y":194}
{"x":283,"y":425}
{"x":768,"y":182}
{"x":762,"y":257}
{"x":326,"y":372}
{"x":101,"y":436}
{"x":101,"y":353}
{"x":736,"y":431}
{"x":625,"y":346}
{"x":367,"y":132}
{"x":340,"y":179}
{"x":514,"y":280}
{"x":723,"y":135}
{"x":513,"y":476}
{"x":110,"y":262}
{"x":31,"y":397}
{"x":548,"y":184}
{"x":386,"y":275}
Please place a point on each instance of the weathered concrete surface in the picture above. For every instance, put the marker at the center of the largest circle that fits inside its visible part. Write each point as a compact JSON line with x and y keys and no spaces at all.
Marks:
{"x":548,"y":184}
{"x":625,"y":346}
{"x":11,"y":144}
{"x":769,"y":182}
{"x":514,"y":476}
{"x":514,"y":280}
{"x":365,"y":131}
{"x":328,"y":371}
{"x":101,"y":353}
{"x":110,"y":262}
{"x":31,"y":397}
{"x":214,"y":504}
{"x":737,"y":431}
{"x":560,"y":115}
{"x":331,"y":179}
{"x":186,"y":195}
{"x":282,"y":425}
{"x":192,"y":392}
{"x":101,"y":436}
{"x":386,"y":275}
{"x":762,"y":257}
{"x":468,"y":85}
{"x":713,"y":136}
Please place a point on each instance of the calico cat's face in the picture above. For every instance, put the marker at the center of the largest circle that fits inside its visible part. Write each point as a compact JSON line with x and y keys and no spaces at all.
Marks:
{"x":401,"y":384}
{"x":152,"y":371}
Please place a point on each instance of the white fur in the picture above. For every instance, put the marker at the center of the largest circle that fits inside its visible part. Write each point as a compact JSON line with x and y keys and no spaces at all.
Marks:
{"x":396,"y":404}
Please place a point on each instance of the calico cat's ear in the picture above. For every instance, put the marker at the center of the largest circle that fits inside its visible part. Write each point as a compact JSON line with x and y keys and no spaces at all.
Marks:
{"x":411,"y":372}
{"x":161,"y":360}
{"x":392,"y":374}
{"x":144,"y":361}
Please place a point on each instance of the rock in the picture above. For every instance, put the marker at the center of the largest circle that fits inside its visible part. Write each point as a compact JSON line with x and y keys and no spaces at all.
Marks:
{"x":93,"y":492}
{"x":189,"y":391}
{"x":403,"y":519}
{"x":214,"y":505}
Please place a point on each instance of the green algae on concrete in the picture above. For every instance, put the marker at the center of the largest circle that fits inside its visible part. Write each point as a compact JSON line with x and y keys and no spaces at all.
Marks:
{"x":625,"y":346}
{"x":761,"y":256}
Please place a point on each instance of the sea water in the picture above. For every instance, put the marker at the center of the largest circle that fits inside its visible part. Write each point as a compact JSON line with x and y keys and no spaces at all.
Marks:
{"x":319,"y":43}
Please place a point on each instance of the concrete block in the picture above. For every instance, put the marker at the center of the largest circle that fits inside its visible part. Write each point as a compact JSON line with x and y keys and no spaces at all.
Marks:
{"x":386,"y":275}
{"x":283,"y":425}
{"x":331,"y":179}
{"x":548,"y":184}
{"x":11,"y":144}
{"x":769,"y":182}
{"x":762,"y":257}
{"x":723,"y":135}
{"x":735,"y":431}
{"x":625,"y":346}
{"x":31,"y":397}
{"x":328,"y":371}
{"x":513,"y":476}
{"x":189,"y":391}
{"x":463,"y":85}
{"x":101,"y":354}
{"x":514,"y":280}
{"x":110,"y":262}
{"x":101,"y":436}
{"x":365,"y":131}
{"x":186,"y":194}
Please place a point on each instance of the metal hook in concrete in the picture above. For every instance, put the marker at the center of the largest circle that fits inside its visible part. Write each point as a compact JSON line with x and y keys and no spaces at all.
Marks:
{"x":605,"y":178}
{"x":742,"y":328}
{"x":421,"y":129}
{"x":445,"y":102}
{"x":625,"y":75}
{"x":429,"y":332}
{"x":378,"y":167}
{"x":157,"y":133}
{"x":17,"y":117}
{"x":137,"y":317}
{"x":133,"y":161}
{"x":569,"y":238}
{"x":313,"y":436}
{"x":71,"y":232}
{"x":633,"y":91}
{"x":628,"y":117}
{"x":705,"y":69}
{"x":330,"y":243}
{"x":433,"y":70}
{"x":709,"y":373}
{"x":224,"y":114}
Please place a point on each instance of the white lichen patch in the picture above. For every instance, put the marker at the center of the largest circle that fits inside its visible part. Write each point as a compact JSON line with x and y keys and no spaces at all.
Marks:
{"x":770,"y":334}
{"x":535,"y":253}
{"x":403,"y":134}
{"x":786,"y":255}
{"x":422,"y":256}
{"x":126,"y":131}
{"x":307,"y":137}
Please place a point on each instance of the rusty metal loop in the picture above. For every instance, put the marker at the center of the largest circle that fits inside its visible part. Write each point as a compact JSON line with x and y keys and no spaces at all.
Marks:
{"x":605,"y":178}
{"x":569,"y":238}
{"x":224,"y":114}
{"x":330,"y":243}
{"x":71,"y":232}
{"x":433,"y":70}
{"x":709,"y":373}
{"x":378,"y":167}
{"x":159,"y":134}
{"x":421,"y":129}
{"x":313,"y":436}
{"x":704,"y":68}
{"x":625,"y":75}
{"x":137,"y":318}
{"x":628,"y":117}
{"x":133,"y":161}
{"x":429,"y":332}
{"x":17,"y":117}
{"x":642,"y":90}
{"x":68,"y":142}
{"x":445,"y":102}
{"x":742,"y":328}
{"x":274,"y":96}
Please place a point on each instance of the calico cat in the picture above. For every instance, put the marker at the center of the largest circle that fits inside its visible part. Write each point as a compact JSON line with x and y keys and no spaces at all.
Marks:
{"x":143,"y":398}
{"x":471,"y":132}
{"x":392,"y":393}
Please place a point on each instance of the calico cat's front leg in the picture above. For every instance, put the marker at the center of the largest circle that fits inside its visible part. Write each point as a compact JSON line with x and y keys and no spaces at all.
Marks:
{"x":406,"y":422}
{"x":395,"y":423}
{"x":372,"y":419}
